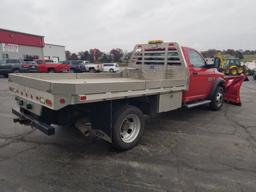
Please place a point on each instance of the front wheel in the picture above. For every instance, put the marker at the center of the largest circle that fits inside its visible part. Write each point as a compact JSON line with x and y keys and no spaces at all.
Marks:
{"x":233,"y":72}
{"x":218,"y":99}
{"x":111,"y":70}
{"x":72,"y":71}
{"x":92,"y":70}
{"x":128,"y":127}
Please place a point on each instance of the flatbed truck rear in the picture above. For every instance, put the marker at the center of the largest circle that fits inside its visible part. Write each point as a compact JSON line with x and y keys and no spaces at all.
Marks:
{"x":160,"y":77}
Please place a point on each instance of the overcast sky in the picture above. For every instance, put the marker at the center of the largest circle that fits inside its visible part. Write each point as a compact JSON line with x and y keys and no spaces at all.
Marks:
{"x":106,"y":24}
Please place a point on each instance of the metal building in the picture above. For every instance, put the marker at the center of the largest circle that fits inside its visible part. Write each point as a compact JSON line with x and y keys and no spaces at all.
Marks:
{"x":19,"y":45}
{"x":54,"y":52}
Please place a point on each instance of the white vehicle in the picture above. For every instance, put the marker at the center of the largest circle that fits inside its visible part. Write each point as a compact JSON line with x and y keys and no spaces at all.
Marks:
{"x":110,"y":67}
{"x":92,"y":67}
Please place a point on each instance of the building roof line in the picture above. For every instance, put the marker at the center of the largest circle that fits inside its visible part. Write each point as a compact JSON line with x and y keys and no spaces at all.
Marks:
{"x":20,"y":32}
{"x":54,"y":45}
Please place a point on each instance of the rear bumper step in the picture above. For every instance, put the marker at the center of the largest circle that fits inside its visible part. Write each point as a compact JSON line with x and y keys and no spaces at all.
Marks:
{"x":28,"y":120}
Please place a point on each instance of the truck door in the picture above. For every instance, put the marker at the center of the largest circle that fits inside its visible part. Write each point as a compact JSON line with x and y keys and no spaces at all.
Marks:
{"x":201,"y":77}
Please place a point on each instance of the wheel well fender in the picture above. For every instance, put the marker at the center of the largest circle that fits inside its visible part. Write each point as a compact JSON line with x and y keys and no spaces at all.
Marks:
{"x":218,"y":82}
{"x":50,"y":69}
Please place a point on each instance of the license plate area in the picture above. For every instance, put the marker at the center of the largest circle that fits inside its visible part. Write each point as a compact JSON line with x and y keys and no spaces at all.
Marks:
{"x":29,"y":106}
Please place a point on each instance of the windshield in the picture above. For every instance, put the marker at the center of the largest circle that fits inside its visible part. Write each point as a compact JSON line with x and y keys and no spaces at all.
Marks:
{"x":49,"y":62}
{"x":230,"y":62}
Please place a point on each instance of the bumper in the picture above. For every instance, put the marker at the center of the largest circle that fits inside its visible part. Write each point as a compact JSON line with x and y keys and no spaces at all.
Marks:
{"x":5,"y":71}
{"x":29,"y":70}
{"x":28,"y":120}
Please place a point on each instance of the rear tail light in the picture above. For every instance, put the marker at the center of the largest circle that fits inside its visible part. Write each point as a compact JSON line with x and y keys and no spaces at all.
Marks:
{"x":48,"y":102}
{"x":82,"y":97}
{"x":62,"y":101}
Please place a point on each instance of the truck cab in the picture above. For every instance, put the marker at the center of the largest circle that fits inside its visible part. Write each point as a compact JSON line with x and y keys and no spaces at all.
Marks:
{"x":202,"y":77}
{"x":171,"y":63}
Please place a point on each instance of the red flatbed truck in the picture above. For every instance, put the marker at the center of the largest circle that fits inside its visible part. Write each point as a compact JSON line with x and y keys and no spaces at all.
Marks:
{"x":161,"y":77}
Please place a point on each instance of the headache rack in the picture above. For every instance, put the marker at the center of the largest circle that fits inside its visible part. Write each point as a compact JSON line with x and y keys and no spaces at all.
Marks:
{"x":157,"y":54}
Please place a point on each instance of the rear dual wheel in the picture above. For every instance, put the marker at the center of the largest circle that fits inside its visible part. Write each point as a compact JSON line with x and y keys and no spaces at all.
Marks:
{"x":127,"y":128}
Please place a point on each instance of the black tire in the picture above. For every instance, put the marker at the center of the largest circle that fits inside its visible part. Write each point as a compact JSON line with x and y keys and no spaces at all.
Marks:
{"x":92,"y":70}
{"x":124,"y":116}
{"x":51,"y":71}
{"x":254,"y":76}
{"x":218,"y":99}
{"x":111,"y":70}
{"x":6,"y":75}
{"x":16,"y":71}
{"x":72,"y":71}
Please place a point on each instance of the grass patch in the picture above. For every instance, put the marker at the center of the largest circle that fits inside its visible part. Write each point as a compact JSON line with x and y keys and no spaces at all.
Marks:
{"x":249,"y":58}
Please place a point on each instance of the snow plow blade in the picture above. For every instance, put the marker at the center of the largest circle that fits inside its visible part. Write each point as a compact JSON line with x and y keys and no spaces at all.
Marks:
{"x":232,"y":89}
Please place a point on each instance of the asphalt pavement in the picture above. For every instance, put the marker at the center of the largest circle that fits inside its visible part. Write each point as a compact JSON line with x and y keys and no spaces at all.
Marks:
{"x":193,"y":150}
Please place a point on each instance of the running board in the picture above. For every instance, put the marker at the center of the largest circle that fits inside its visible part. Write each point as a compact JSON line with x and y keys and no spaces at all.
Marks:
{"x":197,"y":104}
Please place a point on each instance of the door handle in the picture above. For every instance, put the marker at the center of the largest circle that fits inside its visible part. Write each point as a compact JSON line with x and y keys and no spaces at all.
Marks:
{"x":195,"y":73}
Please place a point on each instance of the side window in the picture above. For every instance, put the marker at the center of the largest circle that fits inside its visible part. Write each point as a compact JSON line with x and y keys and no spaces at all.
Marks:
{"x":39,"y":62}
{"x":196,"y":59}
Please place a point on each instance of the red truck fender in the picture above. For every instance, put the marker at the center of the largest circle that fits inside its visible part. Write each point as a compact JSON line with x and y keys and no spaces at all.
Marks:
{"x":218,"y":82}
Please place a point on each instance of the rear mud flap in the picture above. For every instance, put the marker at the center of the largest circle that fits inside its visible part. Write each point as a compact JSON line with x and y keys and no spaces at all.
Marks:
{"x":232,"y":89}
{"x":101,"y":119}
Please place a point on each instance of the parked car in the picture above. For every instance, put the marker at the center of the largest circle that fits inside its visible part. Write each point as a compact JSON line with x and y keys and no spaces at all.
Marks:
{"x":16,"y":65}
{"x":76,"y":66}
{"x":110,"y":67}
{"x":48,"y":66}
{"x":91,"y":67}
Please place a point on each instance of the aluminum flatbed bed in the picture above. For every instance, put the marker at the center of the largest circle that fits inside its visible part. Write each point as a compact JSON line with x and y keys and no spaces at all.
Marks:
{"x":96,"y":87}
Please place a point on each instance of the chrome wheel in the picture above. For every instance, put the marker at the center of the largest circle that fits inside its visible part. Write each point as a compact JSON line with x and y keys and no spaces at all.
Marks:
{"x":130,"y":128}
{"x":219,"y":98}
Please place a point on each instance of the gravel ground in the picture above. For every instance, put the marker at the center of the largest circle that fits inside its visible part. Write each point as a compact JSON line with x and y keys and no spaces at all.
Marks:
{"x":184,"y":150}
